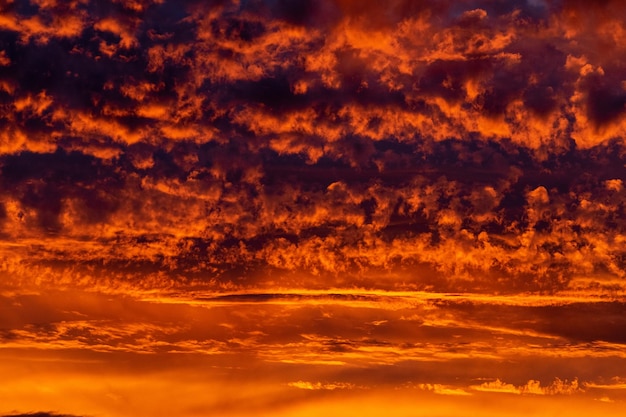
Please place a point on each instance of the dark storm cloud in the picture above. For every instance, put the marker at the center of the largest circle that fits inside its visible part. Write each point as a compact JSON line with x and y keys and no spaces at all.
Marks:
{"x":416,"y":198}
{"x":39,"y":414}
{"x":606,"y":99}
{"x":41,"y":181}
{"x":101,"y":71}
{"x":574,"y":323}
{"x":478,"y":140}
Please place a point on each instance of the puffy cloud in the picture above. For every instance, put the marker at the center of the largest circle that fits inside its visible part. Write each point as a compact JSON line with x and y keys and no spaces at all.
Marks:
{"x":533,"y":387}
{"x":377,"y":74}
{"x":216,"y":208}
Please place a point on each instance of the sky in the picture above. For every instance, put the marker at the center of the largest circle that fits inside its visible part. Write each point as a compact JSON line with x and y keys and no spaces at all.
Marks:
{"x":309,"y":207}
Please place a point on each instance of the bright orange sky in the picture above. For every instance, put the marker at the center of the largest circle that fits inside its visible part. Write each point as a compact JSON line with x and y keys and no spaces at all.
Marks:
{"x":312,"y":207}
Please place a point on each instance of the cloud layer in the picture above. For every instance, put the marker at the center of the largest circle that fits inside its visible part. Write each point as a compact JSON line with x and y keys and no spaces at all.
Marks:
{"x":340,"y":197}
{"x":241,"y":142}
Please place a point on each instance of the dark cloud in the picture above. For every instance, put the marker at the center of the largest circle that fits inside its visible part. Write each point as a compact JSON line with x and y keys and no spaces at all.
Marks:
{"x":39,"y":414}
{"x":42,"y":181}
{"x":237,"y":197}
{"x":606,"y":103}
{"x":576,"y":322}
{"x":449,"y":199}
{"x":328,"y":139}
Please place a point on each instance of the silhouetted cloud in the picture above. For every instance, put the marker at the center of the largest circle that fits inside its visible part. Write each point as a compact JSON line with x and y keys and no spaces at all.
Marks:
{"x":261,"y":137}
{"x":39,"y":414}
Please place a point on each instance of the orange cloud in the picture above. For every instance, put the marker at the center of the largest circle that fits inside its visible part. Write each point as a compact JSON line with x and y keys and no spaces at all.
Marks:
{"x":338,"y":197}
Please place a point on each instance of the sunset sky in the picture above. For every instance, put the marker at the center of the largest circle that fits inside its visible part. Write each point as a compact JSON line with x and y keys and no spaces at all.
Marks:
{"x":312,"y":208}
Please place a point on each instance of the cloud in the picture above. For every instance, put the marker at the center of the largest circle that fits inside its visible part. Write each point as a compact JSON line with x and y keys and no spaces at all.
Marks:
{"x":420,"y":190}
{"x":39,"y":414}
{"x":615,"y":383}
{"x":201,"y":57}
{"x":89,"y":345}
{"x":321,"y":386}
{"x":275,"y":215}
{"x":532,"y":387}
{"x":443,"y":390}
